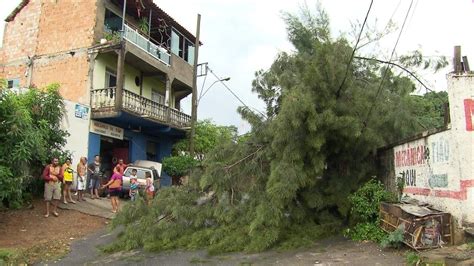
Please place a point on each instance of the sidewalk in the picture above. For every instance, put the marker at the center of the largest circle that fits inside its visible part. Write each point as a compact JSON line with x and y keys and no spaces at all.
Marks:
{"x":96,"y":207}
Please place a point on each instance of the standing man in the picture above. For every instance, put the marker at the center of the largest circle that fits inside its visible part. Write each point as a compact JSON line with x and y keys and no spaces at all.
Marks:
{"x":94,"y":171}
{"x":120,"y":167}
{"x":52,"y":186}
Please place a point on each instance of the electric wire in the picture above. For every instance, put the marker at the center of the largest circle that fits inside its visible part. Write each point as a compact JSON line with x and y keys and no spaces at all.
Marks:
{"x":234,"y":94}
{"x":354,"y":50}
{"x":386,"y":70}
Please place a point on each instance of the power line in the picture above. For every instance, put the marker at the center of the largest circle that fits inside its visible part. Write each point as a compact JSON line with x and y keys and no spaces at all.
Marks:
{"x":235,"y":95}
{"x":354,"y":50}
{"x":386,"y":69}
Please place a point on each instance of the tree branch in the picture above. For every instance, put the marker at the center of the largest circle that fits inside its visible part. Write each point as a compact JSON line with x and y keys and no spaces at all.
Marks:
{"x":402,"y":68}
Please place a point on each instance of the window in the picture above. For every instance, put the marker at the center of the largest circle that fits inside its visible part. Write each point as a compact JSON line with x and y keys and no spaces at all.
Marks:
{"x":13,"y":83}
{"x":140,"y":172}
{"x":157,"y":97}
{"x":110,"y":78}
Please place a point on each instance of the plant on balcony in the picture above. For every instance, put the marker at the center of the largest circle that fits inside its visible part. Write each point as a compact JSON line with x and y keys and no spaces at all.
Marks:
{"x":112,"y":37}
{"x":143,"y":25}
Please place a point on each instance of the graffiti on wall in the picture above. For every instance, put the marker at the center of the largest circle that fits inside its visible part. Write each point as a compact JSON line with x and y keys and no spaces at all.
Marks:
{"x":422,"y":163}
{"x":469,"y":111}
{"x":412,"y":156}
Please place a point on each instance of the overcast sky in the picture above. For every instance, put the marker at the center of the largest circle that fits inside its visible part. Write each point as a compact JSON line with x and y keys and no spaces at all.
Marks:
{"x":243,"y":36}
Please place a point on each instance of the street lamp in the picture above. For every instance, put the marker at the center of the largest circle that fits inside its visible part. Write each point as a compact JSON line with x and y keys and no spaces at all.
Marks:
{"x":219,"y":80}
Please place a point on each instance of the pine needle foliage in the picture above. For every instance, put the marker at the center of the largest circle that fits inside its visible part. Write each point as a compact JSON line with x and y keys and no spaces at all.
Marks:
{"x":287,"y":182}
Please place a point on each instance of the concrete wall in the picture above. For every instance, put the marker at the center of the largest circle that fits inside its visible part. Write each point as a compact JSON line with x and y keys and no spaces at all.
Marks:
{"x":77,"y":125}
{"x":104,"y":61}
{"x":438,"y":168}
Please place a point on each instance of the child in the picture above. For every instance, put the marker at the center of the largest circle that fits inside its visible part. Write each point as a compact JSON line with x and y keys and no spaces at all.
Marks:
{"x":149,"y":189}
{"x":133,"y":192}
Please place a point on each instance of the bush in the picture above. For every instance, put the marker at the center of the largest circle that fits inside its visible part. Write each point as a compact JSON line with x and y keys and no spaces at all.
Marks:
{"x":178,"y":165}
{"x":365,"y":204}
{"x":412,"y":258}
{"x":30,"y":133}
{"x":366,"y":201}
{"x":394,"y":239}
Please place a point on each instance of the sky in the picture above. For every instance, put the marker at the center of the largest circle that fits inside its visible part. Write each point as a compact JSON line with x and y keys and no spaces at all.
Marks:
{"x":242,"y":36}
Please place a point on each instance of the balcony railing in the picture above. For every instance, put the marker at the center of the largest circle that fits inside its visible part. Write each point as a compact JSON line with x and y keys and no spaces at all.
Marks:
{"x":103,"y":100}
{"x":142,"y":42}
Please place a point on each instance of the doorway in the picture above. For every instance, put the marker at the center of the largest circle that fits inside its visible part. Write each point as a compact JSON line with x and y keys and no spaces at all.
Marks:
{"x":111,"y":150}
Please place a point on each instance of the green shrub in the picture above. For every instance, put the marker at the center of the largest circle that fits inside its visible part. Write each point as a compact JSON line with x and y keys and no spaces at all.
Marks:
{"x":365,"y":231}
{"x":365,"y":203}
{"x":30,"y":133}
{"x":412,"y":258}
{"x":178,"y":165}
{"x":394,"y":239}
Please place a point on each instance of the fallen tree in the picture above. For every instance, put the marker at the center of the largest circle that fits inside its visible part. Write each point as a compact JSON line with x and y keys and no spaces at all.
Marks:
{"x":287,"y":182}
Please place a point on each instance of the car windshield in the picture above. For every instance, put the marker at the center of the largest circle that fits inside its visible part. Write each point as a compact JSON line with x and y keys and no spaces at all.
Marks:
{"x":140,"y":172}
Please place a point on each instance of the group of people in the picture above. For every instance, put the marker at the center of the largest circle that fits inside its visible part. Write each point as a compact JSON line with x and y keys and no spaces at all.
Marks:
{"x":55,"y":176}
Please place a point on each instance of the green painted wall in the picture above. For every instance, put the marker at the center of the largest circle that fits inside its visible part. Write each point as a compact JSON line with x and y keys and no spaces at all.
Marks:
{"x":109,"y":61}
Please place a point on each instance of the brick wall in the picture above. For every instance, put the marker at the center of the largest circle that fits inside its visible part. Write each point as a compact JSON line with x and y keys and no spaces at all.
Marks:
{"x":20,"y":34}
{"x":70,"y":71}
{"x":56,"y":34}
{"x":19,"y":42}
{"x":66,"y":25}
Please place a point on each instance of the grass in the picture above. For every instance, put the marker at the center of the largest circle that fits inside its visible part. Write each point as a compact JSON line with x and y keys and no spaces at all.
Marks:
{"x":9,"y":255}
{"x":197,"y":260}
{"x":470,"y":246}
{"x":412,"y":258}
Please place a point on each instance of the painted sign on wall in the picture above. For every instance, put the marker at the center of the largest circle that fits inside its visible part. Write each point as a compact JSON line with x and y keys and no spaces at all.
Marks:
{"x":106,"y":130}
{"x":469,"y":111}
{"x":424,"y":163}
{"x":81,"y":111}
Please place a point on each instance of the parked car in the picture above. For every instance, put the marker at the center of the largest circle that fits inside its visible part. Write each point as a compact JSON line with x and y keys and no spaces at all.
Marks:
{"x":142,"y":167}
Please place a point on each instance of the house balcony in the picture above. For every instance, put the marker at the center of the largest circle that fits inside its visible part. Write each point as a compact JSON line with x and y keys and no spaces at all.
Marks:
{"x":103,"y":105}
{"x":156,"y":51}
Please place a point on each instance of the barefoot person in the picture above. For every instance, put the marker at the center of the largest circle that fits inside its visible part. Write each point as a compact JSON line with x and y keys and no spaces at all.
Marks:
{"x":81,"y":178}
{"x":52,"y":186}
{"x":115,"y":187}
{"x":94,"y":170}
{"x":68,"y":173}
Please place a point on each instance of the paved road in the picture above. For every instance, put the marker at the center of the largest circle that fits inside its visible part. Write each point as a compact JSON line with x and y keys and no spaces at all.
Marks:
{"x":334,"y":251}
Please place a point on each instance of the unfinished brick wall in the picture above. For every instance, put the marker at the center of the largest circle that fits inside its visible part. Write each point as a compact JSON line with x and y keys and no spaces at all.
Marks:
{"x":70,"y":71}
{"x":19,"y":42}
{"x":56,"y":35}
{"x":66,"y":25}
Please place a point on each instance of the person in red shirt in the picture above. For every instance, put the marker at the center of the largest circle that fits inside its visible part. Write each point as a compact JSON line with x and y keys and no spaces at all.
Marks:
{"x":120,"y":167}
{"x":52,"y":177}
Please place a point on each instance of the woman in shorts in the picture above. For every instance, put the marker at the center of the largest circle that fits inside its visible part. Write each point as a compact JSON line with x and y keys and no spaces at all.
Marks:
{"x":67,"y":181}
{"x":115,"y":188}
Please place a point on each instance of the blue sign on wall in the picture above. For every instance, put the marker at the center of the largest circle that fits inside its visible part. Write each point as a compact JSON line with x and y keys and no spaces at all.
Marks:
{"x":81,"y":111}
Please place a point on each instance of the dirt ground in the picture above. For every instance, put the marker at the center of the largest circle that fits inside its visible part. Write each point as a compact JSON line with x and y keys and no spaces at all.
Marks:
{"x":34,"y":237}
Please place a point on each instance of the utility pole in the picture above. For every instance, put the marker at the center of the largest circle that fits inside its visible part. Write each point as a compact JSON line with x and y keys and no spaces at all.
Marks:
{"x":194,"y":96}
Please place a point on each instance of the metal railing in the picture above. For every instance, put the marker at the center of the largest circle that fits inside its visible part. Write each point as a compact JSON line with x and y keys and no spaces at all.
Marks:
{"x":142,"y":42}
{"x":104,"y":100}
